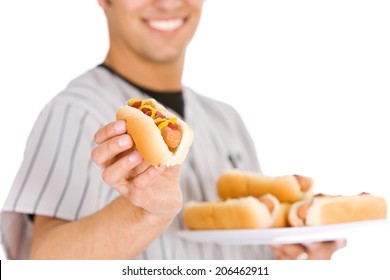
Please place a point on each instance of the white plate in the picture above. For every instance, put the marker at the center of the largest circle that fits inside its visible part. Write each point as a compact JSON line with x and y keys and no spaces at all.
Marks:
{"x":284,"y":235}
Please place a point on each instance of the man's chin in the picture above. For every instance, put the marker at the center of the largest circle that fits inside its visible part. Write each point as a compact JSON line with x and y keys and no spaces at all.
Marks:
{"x":166,"y":57}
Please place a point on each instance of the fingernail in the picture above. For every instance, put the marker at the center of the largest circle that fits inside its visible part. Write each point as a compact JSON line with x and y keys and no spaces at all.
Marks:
{"x":124,"y":141}
{"x":134,"y":157}
{"x":120,"y":126}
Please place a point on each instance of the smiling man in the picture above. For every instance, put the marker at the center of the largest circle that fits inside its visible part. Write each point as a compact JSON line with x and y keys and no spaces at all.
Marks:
{"x":70,"y":203}
{"x":148,"y":39}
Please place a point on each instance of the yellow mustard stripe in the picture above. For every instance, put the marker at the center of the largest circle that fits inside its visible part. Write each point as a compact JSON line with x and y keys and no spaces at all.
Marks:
{"x":133,"y":100}
{"x":143,"y":102}
{"x":163,"y":122}
{"x":154,"y":110}
{"x":157,"y":120}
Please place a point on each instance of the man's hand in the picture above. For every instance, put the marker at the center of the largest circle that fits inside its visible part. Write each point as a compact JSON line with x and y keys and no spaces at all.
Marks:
{"x":151,"y":198}
{"x":155,"y":190}
{"x":309,"y":251}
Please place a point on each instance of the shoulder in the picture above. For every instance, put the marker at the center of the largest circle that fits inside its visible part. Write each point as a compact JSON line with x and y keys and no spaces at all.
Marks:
{"x":95,"y":76}
{"x":209,"y":104}
{"x":94,"y":84}
{"x":96,"y":91}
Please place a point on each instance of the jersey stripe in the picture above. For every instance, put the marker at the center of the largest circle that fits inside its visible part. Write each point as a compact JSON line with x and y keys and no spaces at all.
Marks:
{"x":86,"y":186}
{"x":32,"y":162}
{"x":71,"y":163}
{"x":55,"y":158}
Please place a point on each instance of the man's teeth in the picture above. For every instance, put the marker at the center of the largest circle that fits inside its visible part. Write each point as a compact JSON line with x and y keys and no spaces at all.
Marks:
{"x":166,"y":25}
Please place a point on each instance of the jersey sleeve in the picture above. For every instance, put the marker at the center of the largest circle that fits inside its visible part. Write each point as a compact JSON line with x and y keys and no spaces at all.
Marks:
{"x":56,"y":178}
{"x":53,"y":179}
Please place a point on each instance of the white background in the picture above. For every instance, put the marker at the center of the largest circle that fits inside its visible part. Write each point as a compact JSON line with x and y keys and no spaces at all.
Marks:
{"x":311,"y":80}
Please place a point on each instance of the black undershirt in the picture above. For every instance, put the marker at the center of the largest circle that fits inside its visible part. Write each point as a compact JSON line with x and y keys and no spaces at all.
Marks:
{"x":171,"y":99}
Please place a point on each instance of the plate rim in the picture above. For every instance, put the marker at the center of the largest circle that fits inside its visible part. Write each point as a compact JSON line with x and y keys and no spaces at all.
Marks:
{"x":286,"y":235}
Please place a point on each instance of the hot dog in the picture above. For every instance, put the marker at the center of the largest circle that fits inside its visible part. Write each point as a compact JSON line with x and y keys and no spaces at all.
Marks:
{"x":237,"y":183}
{"x":240,"y":213}
{"x":161,"y":137}
{"x":328,"y":209}
{"x":281,"y":219}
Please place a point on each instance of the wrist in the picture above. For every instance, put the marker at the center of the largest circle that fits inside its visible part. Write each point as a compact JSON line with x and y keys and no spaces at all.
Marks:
{"x":140,"y":216}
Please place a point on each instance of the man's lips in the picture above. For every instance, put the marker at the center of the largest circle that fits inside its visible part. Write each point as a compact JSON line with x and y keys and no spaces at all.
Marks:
{"x":165,"y":25}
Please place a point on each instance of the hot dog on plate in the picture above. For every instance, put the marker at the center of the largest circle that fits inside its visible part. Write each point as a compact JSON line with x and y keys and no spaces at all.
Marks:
{"x":161,"y":137}
{"x":237,"y":183}
{"x":281,"y":219}
{"x":327,"y":209}
{"x":240,"y":213}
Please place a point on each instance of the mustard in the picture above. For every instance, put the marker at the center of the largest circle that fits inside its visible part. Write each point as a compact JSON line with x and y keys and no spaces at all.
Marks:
{"x":163,"y":122}
{"x":154,"y":110}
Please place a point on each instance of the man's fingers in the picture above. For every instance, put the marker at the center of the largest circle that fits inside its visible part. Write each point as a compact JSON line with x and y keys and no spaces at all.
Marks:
{"x":330,"y":246}
{"x":139,"y":192}
{"x":148,"y":176}
{"x":109,"y":131}
{"x":341,"y":243}
{"x":116,"y":172}
{"x":288,"y":251}
{"x":105,"y":152}
{"x":282,"y":256}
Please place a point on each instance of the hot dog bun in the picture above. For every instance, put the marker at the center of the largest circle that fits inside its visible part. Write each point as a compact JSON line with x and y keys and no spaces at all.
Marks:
{"x":281,"y":219}
{"x":148,"y":139}
{"x":237,"y":183}
{"x":324,"y":210}
{"x":240,"y":213}
{"x":293,"y":218}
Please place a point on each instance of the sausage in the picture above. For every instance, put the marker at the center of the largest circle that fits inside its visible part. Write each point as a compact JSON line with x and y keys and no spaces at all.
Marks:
{"x":172,"y":137}
{"x":145,"y":120}
{"x":302,"y":211}
{"x":335,"y":209}
{"x":304,"y":182}
{"x":303,"y":208}
{"x":268,"y":202}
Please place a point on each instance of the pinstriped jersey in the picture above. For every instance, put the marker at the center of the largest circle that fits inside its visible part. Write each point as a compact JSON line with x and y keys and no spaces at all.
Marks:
{"x":57,"y":177}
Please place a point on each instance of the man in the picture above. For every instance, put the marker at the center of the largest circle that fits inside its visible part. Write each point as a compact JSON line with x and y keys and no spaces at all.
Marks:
{"x":130,"y":209}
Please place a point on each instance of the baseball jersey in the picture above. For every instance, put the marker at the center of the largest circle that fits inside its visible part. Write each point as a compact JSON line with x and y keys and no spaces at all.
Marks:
{"x":57,"y":177}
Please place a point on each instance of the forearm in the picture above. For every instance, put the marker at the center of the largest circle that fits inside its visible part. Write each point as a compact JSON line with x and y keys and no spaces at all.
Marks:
{"x":119,"y":231}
